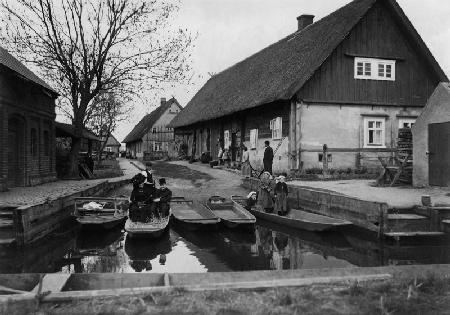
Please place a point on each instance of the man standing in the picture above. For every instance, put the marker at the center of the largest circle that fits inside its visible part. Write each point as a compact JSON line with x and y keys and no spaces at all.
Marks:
{"x":268,"y":157}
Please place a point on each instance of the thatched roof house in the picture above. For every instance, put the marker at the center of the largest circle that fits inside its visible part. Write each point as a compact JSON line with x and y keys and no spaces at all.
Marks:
{"x":346,"y":81}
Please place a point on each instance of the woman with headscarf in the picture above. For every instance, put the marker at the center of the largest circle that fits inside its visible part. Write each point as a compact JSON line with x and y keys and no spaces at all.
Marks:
{"x":281,"y":193}
{"x":265,"y":189}
{"x":246,"y":168}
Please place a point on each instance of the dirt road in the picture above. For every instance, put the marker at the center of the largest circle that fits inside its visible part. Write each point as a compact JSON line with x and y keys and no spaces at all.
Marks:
{"x":194,"y":181}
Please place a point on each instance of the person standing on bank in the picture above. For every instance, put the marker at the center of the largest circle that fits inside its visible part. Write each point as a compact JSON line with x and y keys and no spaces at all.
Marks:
{"x":268,"y":157}
{"x":246,"y":168}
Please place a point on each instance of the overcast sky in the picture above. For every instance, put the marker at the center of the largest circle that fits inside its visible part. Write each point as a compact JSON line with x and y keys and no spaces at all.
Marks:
{"x":231,"y":30}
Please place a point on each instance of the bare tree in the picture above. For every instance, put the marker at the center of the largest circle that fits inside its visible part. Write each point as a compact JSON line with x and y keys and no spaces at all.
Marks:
{"x":109,"y":110}
{"x":87,"y":47}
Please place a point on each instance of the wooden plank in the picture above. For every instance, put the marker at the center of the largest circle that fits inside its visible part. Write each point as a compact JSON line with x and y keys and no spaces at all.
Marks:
{"x":250,"y":285}
{"x":53,"y":282}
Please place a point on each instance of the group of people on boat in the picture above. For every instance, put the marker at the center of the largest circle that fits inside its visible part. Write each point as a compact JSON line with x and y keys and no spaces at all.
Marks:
{"x":148,"y":202}
{"x":272,"y":198}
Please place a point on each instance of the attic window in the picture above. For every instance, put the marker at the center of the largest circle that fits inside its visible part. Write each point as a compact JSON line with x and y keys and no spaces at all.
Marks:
{"x":374,"y":69}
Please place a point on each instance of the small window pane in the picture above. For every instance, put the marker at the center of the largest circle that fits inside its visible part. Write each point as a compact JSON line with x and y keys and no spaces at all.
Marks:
{"x":378,"y":124}
{"x":378,"y":137}
{"x":371,"y":136}
{"x":381,"y":70}
{"x":367,"y":69}
{"x":360,"y":68}
{"x":371,"y":124}
{"x":388,"y":71}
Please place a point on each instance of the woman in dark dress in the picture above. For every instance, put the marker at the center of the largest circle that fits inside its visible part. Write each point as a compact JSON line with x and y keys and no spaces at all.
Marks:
{"x":281,"y":194}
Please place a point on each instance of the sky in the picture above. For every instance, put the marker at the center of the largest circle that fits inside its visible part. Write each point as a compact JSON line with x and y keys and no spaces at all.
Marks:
{"x":228,"y":31}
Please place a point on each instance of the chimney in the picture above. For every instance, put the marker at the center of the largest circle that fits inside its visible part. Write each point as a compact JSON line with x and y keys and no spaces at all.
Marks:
{"x":304,"y":20}
{"x":163,"y":100}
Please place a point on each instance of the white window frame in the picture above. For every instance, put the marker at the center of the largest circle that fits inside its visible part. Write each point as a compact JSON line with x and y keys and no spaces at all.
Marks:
{"x":226,"y":137}
{"x":410,"y":121}
{"x":382,"y":143}
{"x":253,"y":138}
{"x":276,"y":125}
{"x":371,"y":69}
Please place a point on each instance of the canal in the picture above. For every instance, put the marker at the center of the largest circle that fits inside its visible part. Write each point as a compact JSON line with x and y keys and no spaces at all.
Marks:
{"x":267,"y":247}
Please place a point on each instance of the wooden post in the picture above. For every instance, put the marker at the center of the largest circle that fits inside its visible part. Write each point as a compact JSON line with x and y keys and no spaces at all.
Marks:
{"x":292,"y":135}
{"x":325,"y":159}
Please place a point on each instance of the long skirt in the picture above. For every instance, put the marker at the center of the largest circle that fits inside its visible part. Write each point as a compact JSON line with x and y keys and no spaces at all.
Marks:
{"x":246,"y":169}
{"x":281,"y":206}
{"x":268,"y":166}
{"x":265,"y":200}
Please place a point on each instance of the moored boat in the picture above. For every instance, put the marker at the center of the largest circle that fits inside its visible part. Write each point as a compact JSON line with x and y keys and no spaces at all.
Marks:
{"x":193,"y":216}
{"x":231,"y":214}
{"x":152,"y":229}
{"x":296,"y":218}
{"x":100,"y":213}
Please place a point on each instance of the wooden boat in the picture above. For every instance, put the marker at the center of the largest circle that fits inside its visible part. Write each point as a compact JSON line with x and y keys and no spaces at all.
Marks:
{"x":152,"y":229}
{"x":297,"y":218}
{"x":111,"y":212}
{"x":231,"y":214}
{"x":192,"y":216}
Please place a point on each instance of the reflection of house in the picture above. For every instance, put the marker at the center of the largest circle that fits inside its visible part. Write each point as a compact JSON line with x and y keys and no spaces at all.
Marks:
{"x":151,"y":135}
{"x":112,"y":145}
{"x":27,"y":117}
{"x":431,"y":141}
{"x":348,"y":81}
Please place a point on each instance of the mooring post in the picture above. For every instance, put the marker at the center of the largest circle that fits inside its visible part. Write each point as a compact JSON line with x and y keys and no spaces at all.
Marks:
{"x":325,"y":159}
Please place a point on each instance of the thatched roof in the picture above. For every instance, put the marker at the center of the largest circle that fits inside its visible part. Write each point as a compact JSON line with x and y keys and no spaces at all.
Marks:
{"x":112,"y":141}
{"x":148,"y":121}
{"x":15,"y":65}
{"x":280,"y":70}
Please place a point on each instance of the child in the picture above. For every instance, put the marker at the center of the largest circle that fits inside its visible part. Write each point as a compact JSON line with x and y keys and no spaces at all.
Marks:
{"x":251,"y":200}
{"x":164,"y":196}
{"x":281,"y":193}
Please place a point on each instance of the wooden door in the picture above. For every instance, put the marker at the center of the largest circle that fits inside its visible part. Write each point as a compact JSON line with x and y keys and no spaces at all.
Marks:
{"x":15,"y":158}
{"x":439,"y":154}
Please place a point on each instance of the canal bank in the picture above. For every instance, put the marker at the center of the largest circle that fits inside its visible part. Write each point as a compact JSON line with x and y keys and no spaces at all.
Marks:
{"x":337,"y":291}
{"x":28,"y":214}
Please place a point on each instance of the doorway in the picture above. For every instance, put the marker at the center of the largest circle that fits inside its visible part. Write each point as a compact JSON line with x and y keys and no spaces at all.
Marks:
{"x":16,"y":150}
{"x":439,"y":154}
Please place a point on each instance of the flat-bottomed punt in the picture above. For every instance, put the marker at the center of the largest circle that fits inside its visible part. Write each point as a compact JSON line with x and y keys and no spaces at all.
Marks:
{"x":194,"y":216}
{"x":296,"y":218}
{"x":107,"y":213}
{"x":231,"y":214}
{"x":153,"y":229}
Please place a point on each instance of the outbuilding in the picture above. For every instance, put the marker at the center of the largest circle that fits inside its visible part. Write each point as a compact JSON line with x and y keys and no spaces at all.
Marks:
{"x":431,"y":141}
{"x":27,"y":125}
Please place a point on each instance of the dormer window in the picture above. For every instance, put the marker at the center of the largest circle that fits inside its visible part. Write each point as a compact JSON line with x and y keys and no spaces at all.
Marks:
{"x":374,"y":69}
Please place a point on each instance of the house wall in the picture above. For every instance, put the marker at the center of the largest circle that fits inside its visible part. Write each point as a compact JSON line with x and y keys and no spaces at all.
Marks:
{"x":377,"y":35}
{"x":29,"y":108}
{"x":162,"y":134}
{"x":436,"y":111}
{"x":240,"y":125}
{"x":341,"y":128}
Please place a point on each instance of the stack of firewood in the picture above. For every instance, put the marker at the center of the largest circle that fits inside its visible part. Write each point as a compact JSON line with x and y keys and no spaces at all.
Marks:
{"x":405,"y":151}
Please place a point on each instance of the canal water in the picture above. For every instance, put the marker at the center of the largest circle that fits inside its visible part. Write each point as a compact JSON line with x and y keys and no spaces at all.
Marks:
{"x":268,"y":247}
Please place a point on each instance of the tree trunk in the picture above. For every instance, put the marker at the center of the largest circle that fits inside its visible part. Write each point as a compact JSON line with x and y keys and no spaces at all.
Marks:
{"x":75,"y":149}
{"x":73,"y":158}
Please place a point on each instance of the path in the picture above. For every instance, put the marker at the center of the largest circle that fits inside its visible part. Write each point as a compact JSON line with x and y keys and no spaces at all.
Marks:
{"x":194,"y":181}
{"x":20,"y":196}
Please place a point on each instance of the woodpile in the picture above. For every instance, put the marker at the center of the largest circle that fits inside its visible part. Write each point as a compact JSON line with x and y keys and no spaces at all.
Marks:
{"x":405,"y":151}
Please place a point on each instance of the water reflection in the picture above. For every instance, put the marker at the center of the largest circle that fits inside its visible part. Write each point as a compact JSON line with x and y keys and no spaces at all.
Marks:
{"x":268,"y":247}
{"x":141,"y":252}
